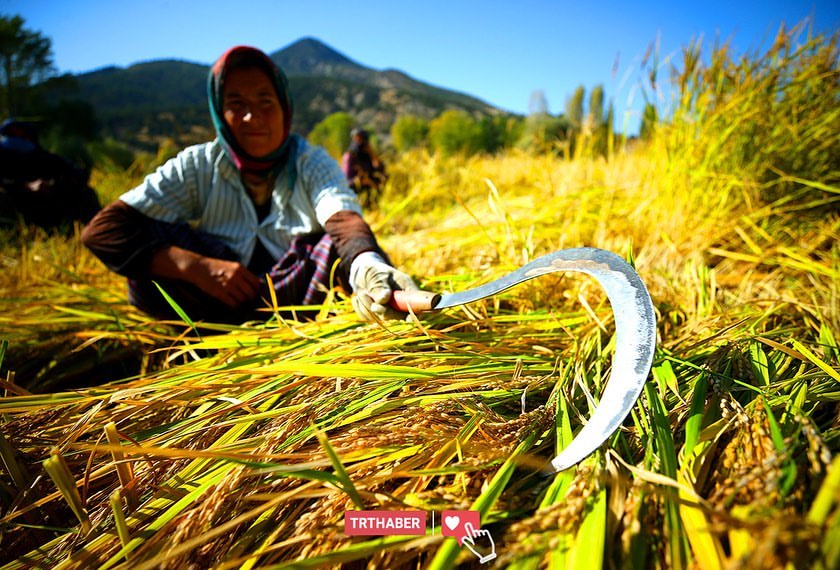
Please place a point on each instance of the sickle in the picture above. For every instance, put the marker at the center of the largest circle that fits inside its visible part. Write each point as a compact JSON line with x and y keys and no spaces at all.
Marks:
{"x":635,"y":330}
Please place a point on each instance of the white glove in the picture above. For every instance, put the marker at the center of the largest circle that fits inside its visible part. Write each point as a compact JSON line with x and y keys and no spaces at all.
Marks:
{"x":373,"y":282}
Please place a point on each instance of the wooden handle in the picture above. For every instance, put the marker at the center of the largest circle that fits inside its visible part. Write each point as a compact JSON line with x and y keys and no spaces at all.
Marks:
{"x":417,"y":301}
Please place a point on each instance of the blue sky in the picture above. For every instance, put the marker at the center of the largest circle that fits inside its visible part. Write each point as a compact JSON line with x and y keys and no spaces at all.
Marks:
{"x":500,"y":51}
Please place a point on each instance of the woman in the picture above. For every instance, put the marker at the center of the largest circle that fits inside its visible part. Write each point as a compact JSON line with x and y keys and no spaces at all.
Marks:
{"x":364,"y":171}
{"x":210,"y":223}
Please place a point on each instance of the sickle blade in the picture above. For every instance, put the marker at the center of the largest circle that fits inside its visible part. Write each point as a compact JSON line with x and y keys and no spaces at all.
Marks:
{"x":635,"y":329}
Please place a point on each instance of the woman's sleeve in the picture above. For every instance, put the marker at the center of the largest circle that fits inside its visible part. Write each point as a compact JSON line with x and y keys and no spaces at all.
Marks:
{"x":336,"y":206}
{"x":118,"y":235}
{"x":351,"y":236}
{"x":325,"y":184}
{"x":170,"y":193}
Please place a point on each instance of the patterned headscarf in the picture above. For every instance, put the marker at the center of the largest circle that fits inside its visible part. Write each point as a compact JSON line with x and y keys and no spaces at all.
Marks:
{"x":245,"y":56}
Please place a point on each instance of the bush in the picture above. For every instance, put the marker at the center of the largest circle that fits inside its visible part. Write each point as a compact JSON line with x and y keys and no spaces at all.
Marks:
{"x":333,"y":133}
{"x":409,"y":132}
{"x":454,"y":132}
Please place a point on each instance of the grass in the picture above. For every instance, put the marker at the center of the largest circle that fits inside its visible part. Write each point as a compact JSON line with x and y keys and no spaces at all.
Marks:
{"x":244,"y":447}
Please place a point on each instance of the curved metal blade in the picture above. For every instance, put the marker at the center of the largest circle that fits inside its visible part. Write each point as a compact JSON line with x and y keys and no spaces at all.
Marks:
{"x":635,"y":329}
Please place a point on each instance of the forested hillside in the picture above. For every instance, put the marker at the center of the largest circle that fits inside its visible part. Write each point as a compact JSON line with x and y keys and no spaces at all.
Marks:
{"x":149,"y":101}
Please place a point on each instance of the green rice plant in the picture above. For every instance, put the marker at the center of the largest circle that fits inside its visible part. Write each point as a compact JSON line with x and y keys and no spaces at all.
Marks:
{"x":119,"y":519}
{"x":772,"y":115}
{"x":10,"y":464}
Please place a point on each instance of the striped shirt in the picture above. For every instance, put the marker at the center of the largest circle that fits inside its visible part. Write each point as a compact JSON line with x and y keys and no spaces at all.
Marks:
{"x":201,"y":186}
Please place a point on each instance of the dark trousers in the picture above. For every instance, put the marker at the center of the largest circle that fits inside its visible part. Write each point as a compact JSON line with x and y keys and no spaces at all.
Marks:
{"x":301,"y":277}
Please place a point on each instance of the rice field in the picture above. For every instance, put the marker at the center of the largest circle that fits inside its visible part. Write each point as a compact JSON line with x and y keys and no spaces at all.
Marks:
{"x":131,"y":443}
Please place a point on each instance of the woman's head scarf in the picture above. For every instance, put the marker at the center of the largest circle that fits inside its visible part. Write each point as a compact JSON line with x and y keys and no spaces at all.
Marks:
{"x":246,"y":57}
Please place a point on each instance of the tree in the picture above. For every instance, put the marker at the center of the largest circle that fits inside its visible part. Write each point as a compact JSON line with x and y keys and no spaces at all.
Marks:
{"x":649,"y":120}
{"x":599,"y":122}
{"x":25,"y":59}
{"x":544,"y":133}
{"x":512,"y":128}
{"x":409,"y":131}
{"x":333,"y":133}
{"x":596,"y":108}
{"x":608,"y":145}
{"x":574,"y":109}
{"x":538,"y":105}
{"x":497,"y":132}
{"x":540,"y":131}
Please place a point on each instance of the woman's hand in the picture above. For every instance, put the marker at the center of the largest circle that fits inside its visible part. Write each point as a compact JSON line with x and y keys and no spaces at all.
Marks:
{"x":373,"y":283}
{"x":228,"y":281}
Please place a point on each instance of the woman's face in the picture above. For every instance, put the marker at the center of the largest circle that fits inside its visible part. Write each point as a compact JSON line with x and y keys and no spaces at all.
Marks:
{"x":252,"y":111}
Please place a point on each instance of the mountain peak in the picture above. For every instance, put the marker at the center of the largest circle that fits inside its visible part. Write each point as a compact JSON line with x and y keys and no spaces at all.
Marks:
{"x":140,"y":103}
{"x":311,"y":56}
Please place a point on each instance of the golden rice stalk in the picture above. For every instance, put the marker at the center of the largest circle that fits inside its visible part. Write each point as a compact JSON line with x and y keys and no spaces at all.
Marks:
{"x":59,"y":472}
{"x":125,"y":471}
{"x":119,"y":520}
{"x":13,"y":468}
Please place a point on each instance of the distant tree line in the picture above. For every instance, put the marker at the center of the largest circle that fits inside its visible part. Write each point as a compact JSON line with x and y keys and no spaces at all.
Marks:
{"x":31,"y":89}
{"x":583,"y":128}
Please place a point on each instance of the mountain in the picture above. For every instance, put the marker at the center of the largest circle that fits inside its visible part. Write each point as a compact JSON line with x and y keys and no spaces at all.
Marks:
{"x":309,"y":56}
{"x":141,"y":104}
{"x":148,"y":101}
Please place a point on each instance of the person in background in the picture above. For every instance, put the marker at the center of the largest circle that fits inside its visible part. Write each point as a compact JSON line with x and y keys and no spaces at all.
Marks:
{"x":38,"y":186}
{"x":212,"y":222}
{"x":364,"y":170}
